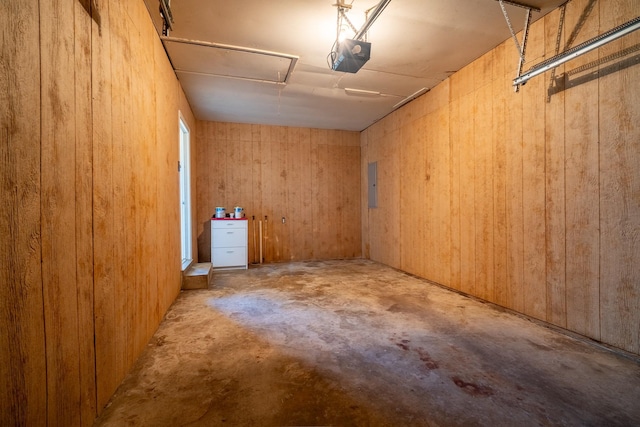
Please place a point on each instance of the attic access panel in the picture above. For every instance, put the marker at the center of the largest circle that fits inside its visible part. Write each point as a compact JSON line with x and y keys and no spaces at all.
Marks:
{"x":213,"y":59}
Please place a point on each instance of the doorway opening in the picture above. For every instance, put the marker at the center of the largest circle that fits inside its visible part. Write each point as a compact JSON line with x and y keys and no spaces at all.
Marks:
{"x":185,"y":195}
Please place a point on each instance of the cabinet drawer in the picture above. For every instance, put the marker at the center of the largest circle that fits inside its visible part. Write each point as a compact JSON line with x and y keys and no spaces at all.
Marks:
{"x":233,"y":223}
{"x":229,"y":257}
{"x":231,"y":237}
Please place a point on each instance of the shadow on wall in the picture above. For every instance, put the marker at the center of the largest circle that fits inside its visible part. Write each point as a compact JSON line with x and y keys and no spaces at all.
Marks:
{"x":204,"y":243}
{"x":564,"y":81}
{"x":93,"y":11}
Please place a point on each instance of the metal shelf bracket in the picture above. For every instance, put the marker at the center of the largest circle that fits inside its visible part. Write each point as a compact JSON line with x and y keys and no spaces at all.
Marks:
{"x":525,"y":31}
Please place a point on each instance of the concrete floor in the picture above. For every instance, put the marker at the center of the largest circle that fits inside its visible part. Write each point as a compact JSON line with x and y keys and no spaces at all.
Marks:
{"x":355,"y":343}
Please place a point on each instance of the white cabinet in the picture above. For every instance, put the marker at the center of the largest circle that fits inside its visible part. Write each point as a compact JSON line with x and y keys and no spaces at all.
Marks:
{"x":229,"y":243}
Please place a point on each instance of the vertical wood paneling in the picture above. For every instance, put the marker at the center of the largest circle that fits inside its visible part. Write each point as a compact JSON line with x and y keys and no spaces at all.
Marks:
{"x":299,"y":213}
{"x":22,"y":337}
{"x":483,"y":176}
{"x":619,"y":131}
{"x":139,"y":280}
{"x":453,"y":90}
{"x":455,"y":132}
{"x":467,"y":193}
{"x":335,"y":155}
{"x":103,"y":217}
{"x":203,"y":192}
{"x":106,"y":181}
{"x":218,"y":165}
{"x":123,"y":249}
{"x":384,"y":231}
{"x":243,"y":178}
{"x":295,"y":192}
{"x":434,"y":133}
{"x":256,"y":193}
{"x":350,"y":231}
{"x":130,"y":177}
{"x":543,"y":215}
{"x":533,"y":176}
{"x":149,"y":189}
{"x":84,"y":209}
{"x":582,"y":186}
{"x":58,"y":207}
{"x":305,"y":175}
{"x":499,"y":95}
{"x":271,"y":200}
{"x":168,"y":189}
{"x":135,"y":184}
{"x":320,"y":191}
{"x":279,"y":193}
{"x":85,"y":157}
{"x":483,"y":185}
{"x":413,"y":176}
{"x":266,"y":215}
{"x":515,"y":216}
{"x":238,"y":163}
{"x":364,"y":194}
{"x":555,"y":179}
{"x":439,"y":190}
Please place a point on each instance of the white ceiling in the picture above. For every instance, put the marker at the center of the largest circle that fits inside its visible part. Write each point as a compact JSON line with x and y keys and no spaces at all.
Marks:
{"x":415,"y":44}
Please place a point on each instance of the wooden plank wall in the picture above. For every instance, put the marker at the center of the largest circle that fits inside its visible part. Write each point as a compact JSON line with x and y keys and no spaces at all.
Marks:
{"x":308,"y":176}
{"x":23,"y":399}
{"x":530,"y":200}
{"x":619,"y":182}
{"x":89,"y":227}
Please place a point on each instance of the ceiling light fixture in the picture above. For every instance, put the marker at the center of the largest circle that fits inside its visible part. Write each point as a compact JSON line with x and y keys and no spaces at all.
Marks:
{"x":360,"y":92}
{"x":352,"y":55}
{"x":410,"y":98}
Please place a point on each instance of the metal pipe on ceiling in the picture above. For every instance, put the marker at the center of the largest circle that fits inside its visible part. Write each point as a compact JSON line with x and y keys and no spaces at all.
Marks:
{"x":579,"y":50}
{"x":369,"y":22}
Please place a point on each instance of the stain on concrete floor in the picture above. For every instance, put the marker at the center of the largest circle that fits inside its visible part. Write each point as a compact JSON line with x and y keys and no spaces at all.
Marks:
{"x":356,"y":343}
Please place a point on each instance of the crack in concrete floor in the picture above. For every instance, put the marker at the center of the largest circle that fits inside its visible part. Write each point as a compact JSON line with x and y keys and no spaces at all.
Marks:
{"x":356,"y":343}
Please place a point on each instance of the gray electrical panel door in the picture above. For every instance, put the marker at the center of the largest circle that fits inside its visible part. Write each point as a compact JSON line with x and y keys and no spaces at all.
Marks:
{"x":372,"y":180}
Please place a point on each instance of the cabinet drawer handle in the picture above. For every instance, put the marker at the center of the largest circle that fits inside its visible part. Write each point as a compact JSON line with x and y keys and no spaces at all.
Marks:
{"x":230,"y":232}
{"x":230,"y":252}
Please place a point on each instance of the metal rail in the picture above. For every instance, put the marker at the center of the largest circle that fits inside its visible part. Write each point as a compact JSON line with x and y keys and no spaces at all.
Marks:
{"x":374,"y":15}
{"x":167,"y":16}
{"x":578,"y":50}
{"x":522,"y":48}
{"x":525,"y":37}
